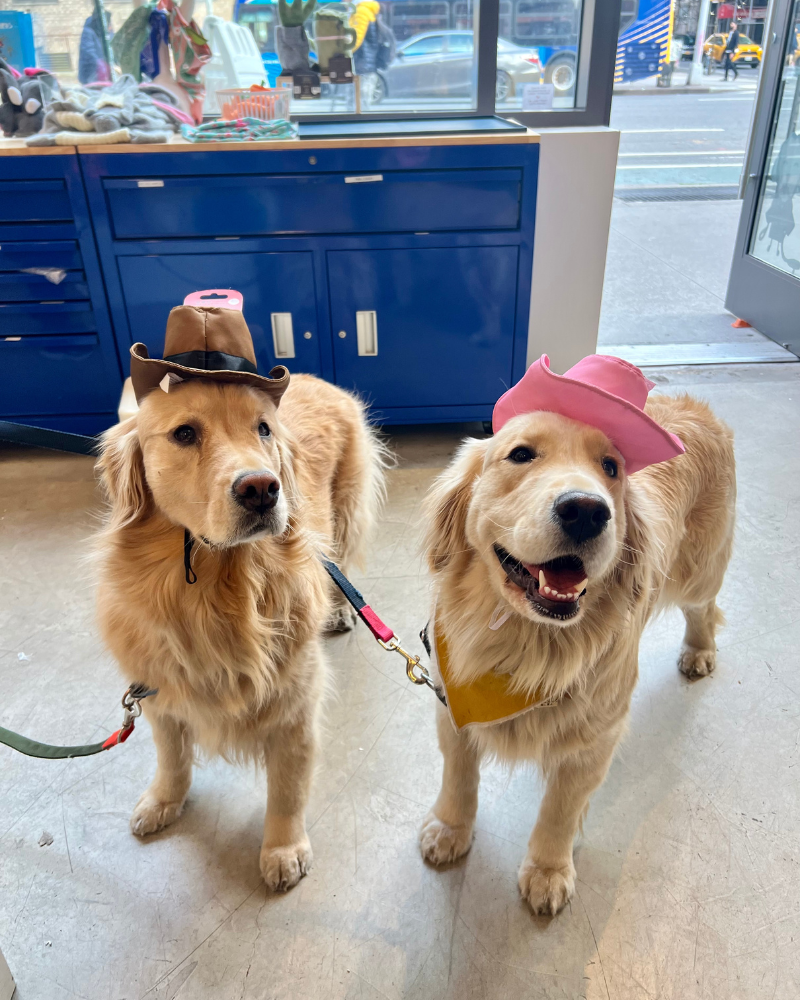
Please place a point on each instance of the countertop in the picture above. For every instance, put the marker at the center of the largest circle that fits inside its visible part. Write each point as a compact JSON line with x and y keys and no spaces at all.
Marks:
{"x":17,"y":147}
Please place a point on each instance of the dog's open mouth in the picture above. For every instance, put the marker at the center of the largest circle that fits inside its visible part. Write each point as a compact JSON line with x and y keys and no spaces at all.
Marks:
{"x":554,"y":588}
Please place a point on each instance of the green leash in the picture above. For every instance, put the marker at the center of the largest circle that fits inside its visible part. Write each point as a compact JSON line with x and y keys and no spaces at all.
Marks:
{"x":42,"y":437}
{"x":131,"y":702}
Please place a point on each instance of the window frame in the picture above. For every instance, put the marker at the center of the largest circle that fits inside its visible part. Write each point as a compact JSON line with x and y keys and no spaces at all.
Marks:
{"x":596,"y":56}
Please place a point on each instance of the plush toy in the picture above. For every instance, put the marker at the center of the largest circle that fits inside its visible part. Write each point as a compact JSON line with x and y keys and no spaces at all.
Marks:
{"x":22,"y":110}
{"x":291,"y":40}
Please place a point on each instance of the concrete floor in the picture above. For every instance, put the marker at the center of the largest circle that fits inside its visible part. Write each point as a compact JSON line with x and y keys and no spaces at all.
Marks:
{"x":688,"y":868}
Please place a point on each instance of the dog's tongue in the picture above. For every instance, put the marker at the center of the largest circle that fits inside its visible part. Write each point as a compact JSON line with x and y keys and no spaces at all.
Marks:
{"x":563,"y":580}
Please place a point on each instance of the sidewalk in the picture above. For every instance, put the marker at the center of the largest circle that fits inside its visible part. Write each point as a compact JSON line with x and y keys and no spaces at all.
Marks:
{"x":712,"y":82}
{"x":667,"y":273}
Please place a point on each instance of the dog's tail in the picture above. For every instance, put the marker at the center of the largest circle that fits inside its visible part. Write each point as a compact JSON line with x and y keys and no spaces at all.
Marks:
{"x":359,"y":489}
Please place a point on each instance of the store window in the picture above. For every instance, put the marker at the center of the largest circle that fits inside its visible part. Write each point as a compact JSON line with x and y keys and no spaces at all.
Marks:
{"x":383,"y":58}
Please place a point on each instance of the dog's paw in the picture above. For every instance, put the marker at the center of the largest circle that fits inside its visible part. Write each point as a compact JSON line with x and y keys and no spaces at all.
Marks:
{"x":342,"y":619}
{"x":283,"y":867}
{"x":546,"y":890}
{"x":441,"y":843}
{"x":697,"y":662}
{"x":152,"y":815}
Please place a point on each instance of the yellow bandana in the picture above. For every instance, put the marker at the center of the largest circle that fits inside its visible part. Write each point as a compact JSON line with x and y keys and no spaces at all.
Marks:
{"x":483,"y":702}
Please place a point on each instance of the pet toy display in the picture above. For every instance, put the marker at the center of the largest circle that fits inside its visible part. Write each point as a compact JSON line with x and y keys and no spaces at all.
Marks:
{"x":23,"y":100}
{"x":334,"y":40}
{"x":290,"y":35}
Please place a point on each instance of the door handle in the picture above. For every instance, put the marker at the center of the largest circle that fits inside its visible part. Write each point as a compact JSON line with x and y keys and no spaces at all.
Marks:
{"x":282,"y":335}
{"x":367,"y":333}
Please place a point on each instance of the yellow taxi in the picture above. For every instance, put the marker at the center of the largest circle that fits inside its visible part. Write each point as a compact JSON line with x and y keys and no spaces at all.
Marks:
{"x":747,"y":51}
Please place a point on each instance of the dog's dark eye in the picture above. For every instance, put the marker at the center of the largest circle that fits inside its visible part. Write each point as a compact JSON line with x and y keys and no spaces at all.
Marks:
{"x":521,"y":455}
{"x":185,"y":434}
{"x":610,"y":468}
{"x":264,"y":430}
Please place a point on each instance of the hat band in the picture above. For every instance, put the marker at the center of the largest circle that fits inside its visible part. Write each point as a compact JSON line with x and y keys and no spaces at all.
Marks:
{"x":213,"y":361}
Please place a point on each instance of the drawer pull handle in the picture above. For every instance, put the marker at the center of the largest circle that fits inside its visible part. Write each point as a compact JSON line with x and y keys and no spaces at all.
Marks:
{"x":367,"y":333}
{"x":282,"y":335}
{"x":150,"y":184}
{"x":364,"y":179}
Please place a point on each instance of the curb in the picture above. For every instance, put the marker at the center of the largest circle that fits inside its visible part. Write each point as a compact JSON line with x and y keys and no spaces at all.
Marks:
{"x":663,"y":90}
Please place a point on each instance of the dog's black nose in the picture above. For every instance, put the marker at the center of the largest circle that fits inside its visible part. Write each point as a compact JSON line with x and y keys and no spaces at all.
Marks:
{"x":582,"y":515}
{"x":257,"y":491}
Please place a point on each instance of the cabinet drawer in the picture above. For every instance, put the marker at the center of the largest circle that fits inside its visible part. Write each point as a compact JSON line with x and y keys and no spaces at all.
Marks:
{"x":395,"y":201}
{"x":45,"y":318}
{"x":63,"y":254}
{"x":34,"y":201}
{"x":16,"y":287}
{"x":44,"y":375}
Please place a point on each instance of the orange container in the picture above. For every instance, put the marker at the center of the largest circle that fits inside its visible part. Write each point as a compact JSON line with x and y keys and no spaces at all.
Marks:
{"x":264,"y":104}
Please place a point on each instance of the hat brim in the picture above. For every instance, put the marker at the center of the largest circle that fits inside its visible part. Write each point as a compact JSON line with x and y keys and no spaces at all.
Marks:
{"x":638,"y":438}
{"x":147,"y":374}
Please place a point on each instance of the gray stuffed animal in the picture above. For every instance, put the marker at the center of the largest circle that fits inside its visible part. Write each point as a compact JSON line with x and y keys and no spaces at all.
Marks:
{"x":22,"y":111}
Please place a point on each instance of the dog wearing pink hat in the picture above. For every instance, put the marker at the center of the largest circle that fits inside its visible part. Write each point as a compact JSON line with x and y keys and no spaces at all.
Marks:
{"x":551,"y":545}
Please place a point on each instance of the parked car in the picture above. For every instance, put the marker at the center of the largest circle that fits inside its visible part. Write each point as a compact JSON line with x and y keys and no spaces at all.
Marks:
{"x":440,"y":64}
{"x":747,"y":51}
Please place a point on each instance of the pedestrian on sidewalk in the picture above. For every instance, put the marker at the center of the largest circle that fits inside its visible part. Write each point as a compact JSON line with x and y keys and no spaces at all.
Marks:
{"x":731,"y":46}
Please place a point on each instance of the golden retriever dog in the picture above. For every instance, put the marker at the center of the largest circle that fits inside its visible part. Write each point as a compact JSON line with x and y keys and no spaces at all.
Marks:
{"x":237,"y":656}
{"x":498,"y":525}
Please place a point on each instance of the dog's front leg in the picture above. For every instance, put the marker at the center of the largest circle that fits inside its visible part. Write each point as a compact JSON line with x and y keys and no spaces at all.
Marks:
{"x":163,"y":801}
{"x":286,"y":851}
{"x":446,"y":831}
{"x":547,"y":875}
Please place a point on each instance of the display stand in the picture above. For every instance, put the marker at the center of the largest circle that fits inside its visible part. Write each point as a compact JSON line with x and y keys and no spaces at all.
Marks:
{"x":288,"y":81}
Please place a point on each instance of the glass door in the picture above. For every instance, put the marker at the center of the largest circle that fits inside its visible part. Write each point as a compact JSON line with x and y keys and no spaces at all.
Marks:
{"x":764,"y":286}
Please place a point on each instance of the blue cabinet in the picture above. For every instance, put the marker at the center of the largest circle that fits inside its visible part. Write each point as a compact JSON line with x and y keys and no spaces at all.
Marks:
{"x":426,"y":251}
{"x":443,"y":325}
{"x":278,"y":290}
{"x":59,"y":365}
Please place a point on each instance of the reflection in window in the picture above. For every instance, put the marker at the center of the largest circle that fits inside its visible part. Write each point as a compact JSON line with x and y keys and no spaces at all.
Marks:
{"x":548,"y":22}
{"x":776,"y":234}
{"x":459,"y":42}
{"x":424,"y":47}
{"x":628,"y":14}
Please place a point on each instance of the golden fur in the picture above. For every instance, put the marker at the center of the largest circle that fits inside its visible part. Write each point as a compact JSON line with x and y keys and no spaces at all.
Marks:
{"x":668,"y":541}
{"x":236,"y":657}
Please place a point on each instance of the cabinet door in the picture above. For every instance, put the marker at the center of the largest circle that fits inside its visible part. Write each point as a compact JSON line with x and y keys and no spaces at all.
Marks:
{"x":271,"y":283}
{"x":444,"y":322}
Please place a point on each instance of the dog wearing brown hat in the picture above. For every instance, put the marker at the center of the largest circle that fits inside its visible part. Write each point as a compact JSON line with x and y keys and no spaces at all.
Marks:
{"x":224,"y":490}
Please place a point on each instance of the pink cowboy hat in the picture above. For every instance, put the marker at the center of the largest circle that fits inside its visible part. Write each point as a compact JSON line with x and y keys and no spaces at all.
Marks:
{"x":605,"y":392}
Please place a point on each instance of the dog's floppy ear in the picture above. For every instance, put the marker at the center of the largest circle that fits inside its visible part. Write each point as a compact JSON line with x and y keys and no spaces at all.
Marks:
{"x":121,"y":467}
{"x":447,"y":503}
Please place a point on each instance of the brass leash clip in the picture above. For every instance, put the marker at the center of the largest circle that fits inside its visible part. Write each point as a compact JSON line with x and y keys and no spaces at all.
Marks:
{"x":414,"y":669}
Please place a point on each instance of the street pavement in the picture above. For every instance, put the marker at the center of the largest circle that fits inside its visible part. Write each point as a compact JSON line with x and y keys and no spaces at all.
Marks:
{"x":684,"y":139}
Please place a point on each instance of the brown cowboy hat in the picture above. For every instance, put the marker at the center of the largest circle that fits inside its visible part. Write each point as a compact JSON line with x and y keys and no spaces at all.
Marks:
{"x":207,"y":342}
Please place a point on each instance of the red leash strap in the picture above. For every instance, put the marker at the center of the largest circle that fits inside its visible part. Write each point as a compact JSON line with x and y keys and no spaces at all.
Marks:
{"x":381,"y":631}
{"x":385,"y":636}
{"x":119,"y":736}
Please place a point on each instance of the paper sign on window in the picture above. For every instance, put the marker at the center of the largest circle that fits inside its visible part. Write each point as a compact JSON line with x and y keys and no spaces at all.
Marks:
{"x":537,"y":97}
